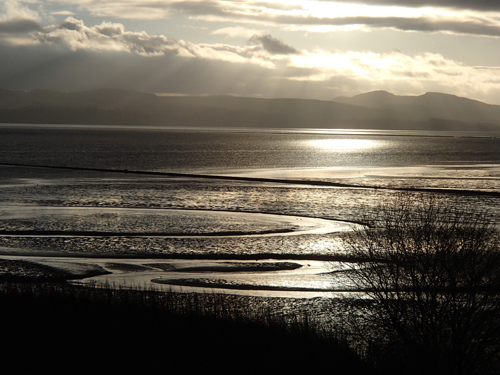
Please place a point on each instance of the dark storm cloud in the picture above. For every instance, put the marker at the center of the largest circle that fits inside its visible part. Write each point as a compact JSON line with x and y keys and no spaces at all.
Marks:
{"x":470,"y":24}
{"x":483,"y":5}
{"x":273,"y":45}
{"x":259,"y":12}
{"x":474,"y":26}
{"x":209,"y":7}
{"x":196,"y":7}
{"x":275,"y":5}
{"x":19,"y":26}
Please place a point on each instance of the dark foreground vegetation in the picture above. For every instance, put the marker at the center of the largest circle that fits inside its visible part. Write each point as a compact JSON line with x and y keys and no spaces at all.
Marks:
{"x":433,"y":277}
{"x":72,"y":330}
{"x":430,"y":267}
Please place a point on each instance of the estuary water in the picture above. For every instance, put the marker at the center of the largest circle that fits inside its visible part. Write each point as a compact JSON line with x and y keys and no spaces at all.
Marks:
{"x":222,"y":151}
{"x":244,"y":211}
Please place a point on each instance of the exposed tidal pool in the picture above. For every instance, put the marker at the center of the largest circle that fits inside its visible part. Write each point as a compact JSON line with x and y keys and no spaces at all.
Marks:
{"x":178,"y":249}
{"x":39,"y":221}
{"x":254,"y":238}
{"x":276,"y":228}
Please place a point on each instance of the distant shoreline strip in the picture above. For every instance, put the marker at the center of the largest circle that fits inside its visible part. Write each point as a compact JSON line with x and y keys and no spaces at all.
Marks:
{"x":188,"y":175}
{"x":261,"y":180}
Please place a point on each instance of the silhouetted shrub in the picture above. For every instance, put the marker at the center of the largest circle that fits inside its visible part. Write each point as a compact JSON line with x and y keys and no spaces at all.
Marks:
{"x":432,"y":275}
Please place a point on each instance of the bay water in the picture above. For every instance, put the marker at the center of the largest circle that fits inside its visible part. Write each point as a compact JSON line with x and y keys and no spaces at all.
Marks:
{"x":264,"y":235}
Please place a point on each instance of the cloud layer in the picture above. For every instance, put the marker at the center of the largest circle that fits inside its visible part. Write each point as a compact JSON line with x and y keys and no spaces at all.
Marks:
{"x":72,"y":54}
{"x":304,"y":15}
{"x":483,"y":5}
{"x":108,"y":54}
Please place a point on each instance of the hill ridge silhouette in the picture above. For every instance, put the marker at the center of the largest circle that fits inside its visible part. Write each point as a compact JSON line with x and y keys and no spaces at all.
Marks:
{"x":372,"y":110}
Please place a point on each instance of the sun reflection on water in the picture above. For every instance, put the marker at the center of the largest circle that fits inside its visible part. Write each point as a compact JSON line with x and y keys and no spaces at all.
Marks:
{"x":346,"y":145}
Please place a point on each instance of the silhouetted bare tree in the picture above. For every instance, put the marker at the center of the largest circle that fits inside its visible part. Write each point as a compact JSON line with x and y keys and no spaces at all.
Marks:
{"x":432,"y":273}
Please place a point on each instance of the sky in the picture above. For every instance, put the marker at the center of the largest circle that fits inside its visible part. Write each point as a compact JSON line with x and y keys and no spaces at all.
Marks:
{"x":261,"y":48}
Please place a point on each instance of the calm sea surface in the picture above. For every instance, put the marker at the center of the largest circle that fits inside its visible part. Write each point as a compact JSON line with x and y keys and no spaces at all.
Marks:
{"x":248,"y":236}
{"x":156,"y":149}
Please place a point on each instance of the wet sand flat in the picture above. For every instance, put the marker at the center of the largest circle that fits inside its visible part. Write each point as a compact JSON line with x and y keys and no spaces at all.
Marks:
{"x":64,"y":223}
{"x":269,"y":197}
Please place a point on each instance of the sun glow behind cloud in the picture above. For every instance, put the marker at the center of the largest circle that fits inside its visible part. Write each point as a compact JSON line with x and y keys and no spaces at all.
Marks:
{"x":315,"y":49}
{"x":335,"y":9}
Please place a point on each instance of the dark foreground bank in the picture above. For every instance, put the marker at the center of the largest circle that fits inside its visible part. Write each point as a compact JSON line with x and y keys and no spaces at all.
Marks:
{"x":66,"y":329}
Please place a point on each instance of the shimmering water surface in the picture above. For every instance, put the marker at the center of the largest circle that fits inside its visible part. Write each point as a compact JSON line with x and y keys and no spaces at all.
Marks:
{"x":277,"y":233}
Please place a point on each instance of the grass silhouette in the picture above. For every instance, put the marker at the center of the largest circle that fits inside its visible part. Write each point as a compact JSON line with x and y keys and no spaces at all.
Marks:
{"x":432,"y":271}
{"x":70,"y":329}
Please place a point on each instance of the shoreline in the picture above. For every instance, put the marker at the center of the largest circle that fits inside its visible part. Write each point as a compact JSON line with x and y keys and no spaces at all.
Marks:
{"x":298,"y":181}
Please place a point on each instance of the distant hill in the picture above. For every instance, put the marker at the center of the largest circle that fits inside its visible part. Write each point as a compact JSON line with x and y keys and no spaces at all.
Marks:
{"x":429,"y":106}
{"x":374,"y":110}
